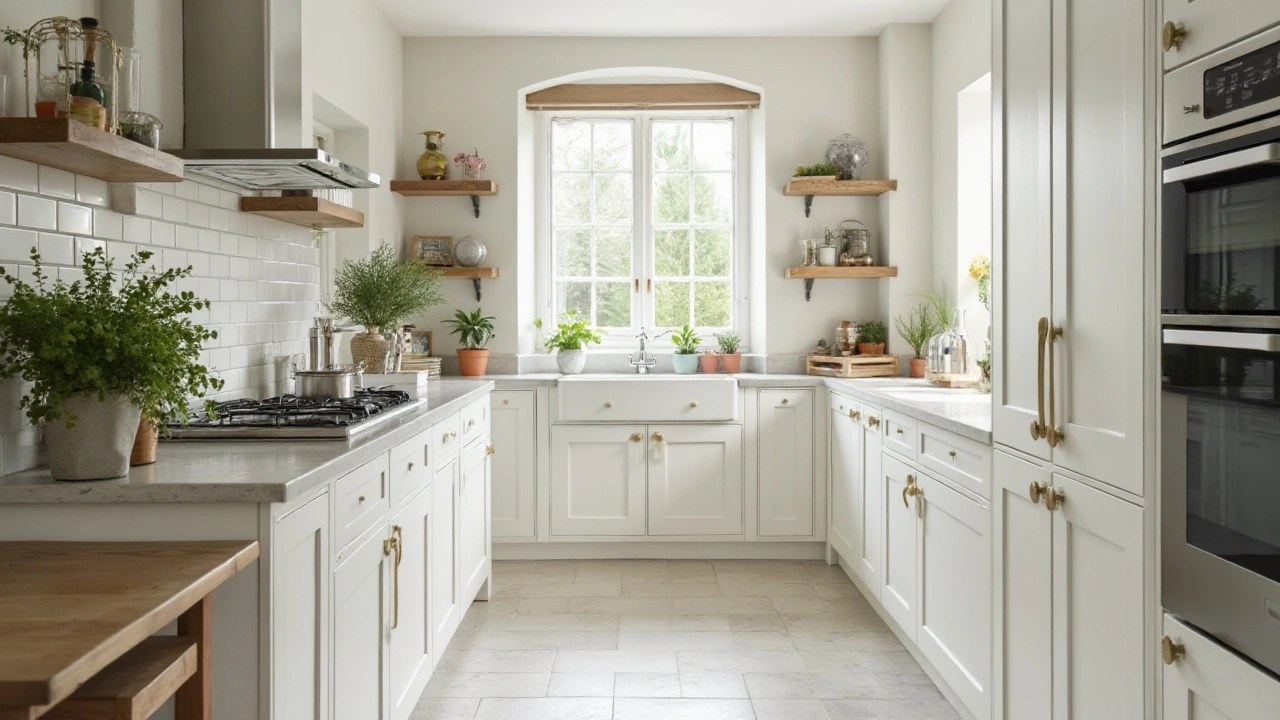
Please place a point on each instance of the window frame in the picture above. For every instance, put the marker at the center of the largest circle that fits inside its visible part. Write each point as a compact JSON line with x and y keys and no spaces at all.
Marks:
{"x":643,"y":261}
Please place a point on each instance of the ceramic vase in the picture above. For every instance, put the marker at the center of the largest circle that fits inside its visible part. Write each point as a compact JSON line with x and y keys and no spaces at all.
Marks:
{"x":473,"y":362}
{"x":432,"y":164}
{"x":99,"y":445}
{"x":685,"y":364}
{"x":369,"y":350}
{"x":571,"y":362}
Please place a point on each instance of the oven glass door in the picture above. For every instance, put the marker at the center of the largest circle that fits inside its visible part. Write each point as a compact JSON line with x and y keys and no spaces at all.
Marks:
{"x":1233,"y":444}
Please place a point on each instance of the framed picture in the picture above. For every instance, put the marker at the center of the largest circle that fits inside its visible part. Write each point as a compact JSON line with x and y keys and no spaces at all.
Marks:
{"x":433,"y":249}
{"x":420,"y":342}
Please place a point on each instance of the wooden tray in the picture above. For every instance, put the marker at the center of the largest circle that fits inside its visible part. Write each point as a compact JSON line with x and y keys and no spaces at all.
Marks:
{"x":852,"y":366}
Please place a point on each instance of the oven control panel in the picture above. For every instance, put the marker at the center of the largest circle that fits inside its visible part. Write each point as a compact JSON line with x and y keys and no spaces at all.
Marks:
{"x":1236,"y":85}
{"x":1242,"y":82}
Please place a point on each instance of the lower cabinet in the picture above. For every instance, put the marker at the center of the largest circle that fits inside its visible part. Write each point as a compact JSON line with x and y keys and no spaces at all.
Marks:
{"x":1209,"y":681}
{"x":410,"y":633}
{"x":899,"y":587}
{"x":360,"y":598}
{"x":845,"y":453}
{"x":514,"y":485}
{"x":784,"y":463}
{"x":695,"y":479}
{"x":446,"y":610}
{"x":300,"y":555}
{"x":474,"y":560}
{"x":598,"y":479}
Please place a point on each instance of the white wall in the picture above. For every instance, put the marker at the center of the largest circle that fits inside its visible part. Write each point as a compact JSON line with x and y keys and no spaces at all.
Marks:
{"x":812,"y":89}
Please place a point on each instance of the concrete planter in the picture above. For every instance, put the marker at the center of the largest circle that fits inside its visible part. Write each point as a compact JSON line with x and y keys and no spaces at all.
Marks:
{"x":99,"y":445}
{"x":571,"y":362}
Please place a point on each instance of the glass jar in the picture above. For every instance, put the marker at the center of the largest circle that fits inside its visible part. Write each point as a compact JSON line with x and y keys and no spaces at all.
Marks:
{"x":432,"y":164}
{"x":142,"y":128}
{"x":948,"y":352}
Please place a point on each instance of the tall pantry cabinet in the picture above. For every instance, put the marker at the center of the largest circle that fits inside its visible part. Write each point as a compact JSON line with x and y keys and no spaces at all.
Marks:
{"x":1074,"y":91}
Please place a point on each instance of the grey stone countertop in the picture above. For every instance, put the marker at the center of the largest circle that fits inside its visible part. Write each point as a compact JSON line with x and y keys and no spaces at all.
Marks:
{"x":244,"y":471}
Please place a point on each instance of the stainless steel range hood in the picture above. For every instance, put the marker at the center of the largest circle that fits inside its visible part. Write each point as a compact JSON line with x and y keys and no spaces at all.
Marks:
{"x":243,"y":98}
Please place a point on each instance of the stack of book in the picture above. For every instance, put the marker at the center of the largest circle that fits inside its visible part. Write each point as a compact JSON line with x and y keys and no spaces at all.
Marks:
{"x":413,"y":362}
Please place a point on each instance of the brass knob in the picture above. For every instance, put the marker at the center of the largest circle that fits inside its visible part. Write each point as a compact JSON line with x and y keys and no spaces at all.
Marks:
{"x":506,"y":402}
{"x":1053,"y":498}
{"x":693,"y":404}
{"x":410,"y":464}
{"x":657,"y":436}
{"x":489,"y":450}
{"x":471,"y":423}
{"x":636,"y":437}
{"x":453,"y":434}
{"x":1036,"y":491}
{"x":952,"y":453}
{"x":873,"y":421}
{"x":360,"y":499}
{"x":854,"y":415}
{"x":444,"y":438}
{"x":785,"y":401}
{"x":608,"y":403}
{"x":899,"y":431}
{"x":1171,"y":650}
{"x":1172,"y":36}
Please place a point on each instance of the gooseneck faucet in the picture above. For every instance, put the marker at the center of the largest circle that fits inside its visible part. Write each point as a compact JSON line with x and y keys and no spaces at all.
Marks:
{"x":645,"y":360}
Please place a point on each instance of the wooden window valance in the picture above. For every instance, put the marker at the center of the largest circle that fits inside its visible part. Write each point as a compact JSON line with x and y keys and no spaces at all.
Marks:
{"x":676,"y":96}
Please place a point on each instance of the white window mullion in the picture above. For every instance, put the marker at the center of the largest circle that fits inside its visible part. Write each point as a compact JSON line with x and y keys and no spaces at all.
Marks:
{"x":643,"y":250}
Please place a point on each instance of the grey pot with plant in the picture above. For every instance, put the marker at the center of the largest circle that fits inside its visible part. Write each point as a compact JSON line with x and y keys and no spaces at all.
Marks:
{"x":380,"y":292}
{"x":474,"y":331}
{"x":916,"y":327}
{"x":730,"y":341}
{"x":101,"y":354}
{"x":685,"y":361}
{"x":872,"y":337}
{"x":573,"y":336}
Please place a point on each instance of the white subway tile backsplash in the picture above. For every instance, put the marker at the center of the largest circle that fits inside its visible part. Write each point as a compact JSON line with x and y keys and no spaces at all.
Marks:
{"x":75,"y":219}
{"x":37,"y":212}
{"x":57,"y":183}
{"x":92,"y":191}
{"x":197,"y":214}
{"x":187,"y":238}
{"x":150,"y":203}
{"x":208,"y":194}
{"x":57,"y":249}
{"x":219,"y":219}
{"x":188,"y":190}
{"x":209,"y":241}
{"x":16,"y":244}
{"x":8,"y":208}
{"x":19,"y":174}
{"x":108,"y":224}
{"x":162,"y":233}
{"x":136,"y":229}
{"x":174,"y":209}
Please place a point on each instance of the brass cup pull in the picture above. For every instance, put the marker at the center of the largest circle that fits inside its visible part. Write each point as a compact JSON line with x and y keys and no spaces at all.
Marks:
{"x":1036,"y":491}
{"x":636,"y":437}
{"x":1053,"y":498}
{"x":1172,"y":35}
{"x":608,"y":403}
{"x":657,"y":437}
{"x":1171,"y":651}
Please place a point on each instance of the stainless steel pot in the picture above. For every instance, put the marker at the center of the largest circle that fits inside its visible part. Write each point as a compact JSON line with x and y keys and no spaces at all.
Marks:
{"x":318,"y":384}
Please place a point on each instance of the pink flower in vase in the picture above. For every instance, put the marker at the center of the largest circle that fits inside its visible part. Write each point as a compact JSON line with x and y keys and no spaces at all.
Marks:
{"x":472,"y":164}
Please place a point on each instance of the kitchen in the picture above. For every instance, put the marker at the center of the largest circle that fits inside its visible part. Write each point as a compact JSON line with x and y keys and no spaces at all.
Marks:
{"x":604,"y":534}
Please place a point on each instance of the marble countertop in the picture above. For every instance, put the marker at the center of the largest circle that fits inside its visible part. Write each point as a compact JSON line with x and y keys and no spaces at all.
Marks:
{"x":244,"y":471}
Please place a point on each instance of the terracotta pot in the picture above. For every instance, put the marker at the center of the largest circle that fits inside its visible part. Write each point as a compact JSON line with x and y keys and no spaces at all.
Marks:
{"x":709,"y":363}
{"x":473,"y":363}
{"x":731,"y":363}
{"x":917,"y":367}
{"x":870,"y":348}
{"x":144,"y":444}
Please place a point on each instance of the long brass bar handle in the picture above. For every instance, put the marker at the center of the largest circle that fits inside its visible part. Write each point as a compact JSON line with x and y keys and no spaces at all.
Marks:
{"x":1053,"y":433}
{"x":1037,"y":425}
{"x":395,"y":544}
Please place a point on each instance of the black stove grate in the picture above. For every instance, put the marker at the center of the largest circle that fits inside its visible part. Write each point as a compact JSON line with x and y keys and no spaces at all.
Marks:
{"x":293,"y":411}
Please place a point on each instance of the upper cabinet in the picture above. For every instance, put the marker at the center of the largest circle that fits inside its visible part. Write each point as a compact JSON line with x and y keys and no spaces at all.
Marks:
{"x":1075,"y":157}
{"x":1192,"y":28}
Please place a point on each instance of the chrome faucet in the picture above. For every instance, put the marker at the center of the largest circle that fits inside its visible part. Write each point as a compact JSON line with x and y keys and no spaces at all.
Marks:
{"x":646,"y":360}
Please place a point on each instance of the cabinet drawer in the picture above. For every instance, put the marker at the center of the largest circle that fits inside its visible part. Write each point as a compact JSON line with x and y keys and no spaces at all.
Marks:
{"x":410,"y":466}
{"x":445,"y":441}
{"x":474,"y":420}
{"x":361,"y":500}
{"x":899,"y":433}
{"x":699,"y":399}
{"x":956,"y":458}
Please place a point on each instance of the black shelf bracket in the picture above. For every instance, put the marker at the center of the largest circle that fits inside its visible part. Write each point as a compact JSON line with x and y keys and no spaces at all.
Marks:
{"x":475,"y":205}
{"x":475,"y":282}
{"x":808,"y":286}
{"x":808,"y":204}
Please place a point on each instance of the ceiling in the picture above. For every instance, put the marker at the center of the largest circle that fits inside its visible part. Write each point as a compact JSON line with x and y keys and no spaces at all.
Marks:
{"x":655,"y":18}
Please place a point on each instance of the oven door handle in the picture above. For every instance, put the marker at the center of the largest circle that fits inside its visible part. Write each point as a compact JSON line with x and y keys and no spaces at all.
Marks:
{"x":1268,"y":154}
{"x":1259,"y":342}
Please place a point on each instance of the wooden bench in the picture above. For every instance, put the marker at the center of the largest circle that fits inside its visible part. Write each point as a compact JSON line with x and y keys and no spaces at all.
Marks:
{"x":136,"y":685}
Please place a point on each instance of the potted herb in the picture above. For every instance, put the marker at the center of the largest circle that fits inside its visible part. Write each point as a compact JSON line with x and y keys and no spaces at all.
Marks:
{"x":379,"y":293}
{"x":916,"y":327}
{"x":730,"y":359}
{"x":823,"y":171}
{"x":475,"y":330}
{"x":872,"y":336}
{"x":686,"y":341}
{"x":709,"y":361}
{"x":101,"y":354}
{"x":570,"y":343}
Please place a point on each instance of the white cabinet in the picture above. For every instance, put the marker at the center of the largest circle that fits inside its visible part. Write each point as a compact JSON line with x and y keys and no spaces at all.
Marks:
{"x":1211,"y":682}
{"x":784,"y":463}
{"x":359,"y":630}
{"x":869,"y":546}
{"x":1081,"y":563}
{"x":598,"y":479}
{"x":473,"y":539}
{"x":409,"y":652}
{"x":514,"y":466}
{"x":1212,"y":24}
{"x":845,"y":463}
{"x":899,"y":586}
{"x":300,"y":556}
{"x":695,"y":479}
{"x":446,"y":612}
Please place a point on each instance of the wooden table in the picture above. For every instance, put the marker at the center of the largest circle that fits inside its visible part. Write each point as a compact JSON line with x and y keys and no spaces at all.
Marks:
{"x":69,"y":609}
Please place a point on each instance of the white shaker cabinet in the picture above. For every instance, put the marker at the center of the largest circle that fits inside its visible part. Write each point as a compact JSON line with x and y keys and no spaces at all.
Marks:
{"x":300,"y":618}
{"x":514,"y":464}
{"x":899,"y":587}
{"x":473,"y":538}
{"x":695,"y":479}
{"x":784,"y":449}
{"x":446,"y":607}
{"x":845,"y":463}
{"x":410,"y":625}
{"x":360,"y":598}
{"x":598,"y":479}
{"x":1202,"y":679}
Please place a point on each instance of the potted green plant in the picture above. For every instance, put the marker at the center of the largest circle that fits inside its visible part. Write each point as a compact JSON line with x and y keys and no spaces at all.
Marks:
{"x":379,"y":293}
{"x":101,"y":354}
{"x":474,"y":330}
{"x":729,"y":342}
{"x":686,"y":341}
{"x":709,"y":361}
{"x":916,"y":327}
{"x":872,"y":337}
{"x":570,"y":342}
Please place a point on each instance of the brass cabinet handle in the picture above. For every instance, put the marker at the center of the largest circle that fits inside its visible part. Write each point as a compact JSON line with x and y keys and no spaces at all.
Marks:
{"x":410,"y":464}
{"x":637,"y":284}
{"x":608,"y":403}
{"x":854,"y":414}
{"x":489,"y":450}
{"x":899,"y":431}
{"x":657,"y":436}
{"x":395,"y":544}
{"x":1053,"y":433}
{"x":360,"y":499}
{"x":453,"y":434}
{"x":909,"y":490}
{"x":694,"y":403}
{"x":1171,"y":650}
{"x":506,"y":402}
{"x":919,"y":493}
{"x":1172,"y":36}
{"x":471,"y":424}
{"x":1037,"y":425}
{"x":1053,"y":498}
{"x":873,"y":421}
{"x":636,"y":437}
{"x":1036,"y":491}
{"x":785,"y":401}
{"x":952,"y":453}
{"x":648,"y":285}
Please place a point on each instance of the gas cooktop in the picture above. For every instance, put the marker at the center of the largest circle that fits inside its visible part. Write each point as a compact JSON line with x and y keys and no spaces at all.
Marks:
{"x":293,"y":417}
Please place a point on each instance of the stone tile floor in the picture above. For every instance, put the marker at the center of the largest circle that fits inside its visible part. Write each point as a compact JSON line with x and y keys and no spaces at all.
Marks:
{"x":676,"y":640}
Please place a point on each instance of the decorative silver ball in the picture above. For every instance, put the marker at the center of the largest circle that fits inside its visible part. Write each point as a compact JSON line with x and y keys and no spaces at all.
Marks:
{"x":469,"y":252}
{"x":849,"y":154}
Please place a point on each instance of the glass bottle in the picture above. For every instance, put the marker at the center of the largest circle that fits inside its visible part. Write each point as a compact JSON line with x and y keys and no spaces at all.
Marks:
{"x":88,"y":99}
{"x":432,"y":164}
{"x":955,"y":347}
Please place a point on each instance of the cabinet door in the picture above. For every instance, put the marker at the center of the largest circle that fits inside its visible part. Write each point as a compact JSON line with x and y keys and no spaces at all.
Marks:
{"x":445,"y":610}
{"x":515,"y":464}
{"x":474,"y":560}
{"x":598,"y":479}
{"x":955,"y":591}
{"x":409,"y":665}
{"x":898,"y":591}
{"x":1022,"y":541}
{"x":784,"y":442}
{"x":300,"y":612}
{"x":868,"y":504}
{"x":1022,"y":248}
{"x":360,"y":602}
{"x":1097,"y":605}
{"x":695,"y":479}
{"x":1212,"y":24}
{"x":845,"y":450}
{"x":1210,"y":682}
{"x":1103,"y":214}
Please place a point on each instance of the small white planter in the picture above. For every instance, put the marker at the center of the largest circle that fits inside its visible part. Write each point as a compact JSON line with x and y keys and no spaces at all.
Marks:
{"x":685,"y":364}
{"x":98,"y":446}
{"x":571,"y":362}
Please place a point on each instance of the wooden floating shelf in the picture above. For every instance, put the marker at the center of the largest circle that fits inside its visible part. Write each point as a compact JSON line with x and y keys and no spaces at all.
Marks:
{"x":828,"y":187}
{"x":815,"y":273}
{"x":446,"y":188}
{"x":312,"y":212}
{"x":68,"y":145}
{"x":471,"y":273}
